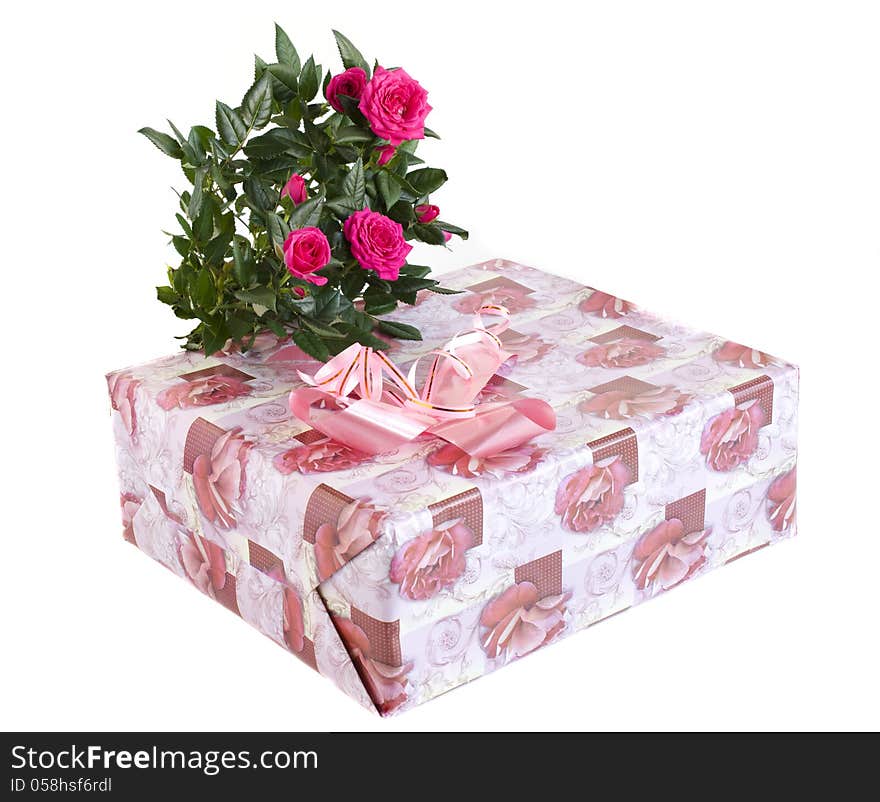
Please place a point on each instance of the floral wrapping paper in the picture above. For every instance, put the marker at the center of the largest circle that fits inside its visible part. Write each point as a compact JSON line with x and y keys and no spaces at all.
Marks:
{"x":404,"y":575}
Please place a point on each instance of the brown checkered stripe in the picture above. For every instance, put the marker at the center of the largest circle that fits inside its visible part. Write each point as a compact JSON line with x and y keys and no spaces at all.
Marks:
{"x":690,"y":510}
{"x":621,"y":333}
{"x":622,"y":444}
{"x":545,"y":574}
{"x":759,"y":389}
{"x":200,"y":440}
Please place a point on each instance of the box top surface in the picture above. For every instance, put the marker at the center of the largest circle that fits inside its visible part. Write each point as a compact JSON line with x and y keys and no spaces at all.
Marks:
{"x":217,"y":442}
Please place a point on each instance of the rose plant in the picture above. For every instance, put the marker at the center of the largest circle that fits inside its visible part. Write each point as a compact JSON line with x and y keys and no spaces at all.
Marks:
{"x":301,"y":210}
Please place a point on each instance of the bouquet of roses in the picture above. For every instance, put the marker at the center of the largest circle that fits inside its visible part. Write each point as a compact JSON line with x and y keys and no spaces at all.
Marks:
{"x":303,"y":230}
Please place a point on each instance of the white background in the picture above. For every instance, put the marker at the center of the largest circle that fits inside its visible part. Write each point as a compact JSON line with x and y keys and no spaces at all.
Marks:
{"x":717,"y":162}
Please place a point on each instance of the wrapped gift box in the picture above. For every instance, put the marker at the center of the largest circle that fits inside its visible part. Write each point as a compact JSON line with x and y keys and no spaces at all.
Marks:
{"x":403,"y":575}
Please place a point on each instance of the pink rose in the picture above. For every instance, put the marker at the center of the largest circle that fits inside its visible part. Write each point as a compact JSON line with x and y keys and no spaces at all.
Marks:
{"x":526,"y":347}
{"x":123,"y":387}
{"x":305,"y":251}
{"x":219,"y":478}
{"x":385,"y":684}
{"x":447,"y":236}
{"x":730,"y":438}
{"x":432,"y":561}
{"x":667,"y":555}
{"x":295,"y":189}
{"x":350,"y":83}
{"x":130,"y":504}
{"x":203,"y":562}
{"x":514,"y":299}
{"x":742,"y":356}
{"x":395,"y":105}
{"x":386,"y":154}
{"x":319,"y":457}
{"x":452,"y":459}
{"x":605,"y":305}
{"x":202,"y":392}
{"x":625,"y":353}
{"x":593,"y":496}
{"x":621,"y":405}
{"x":518,"y":621}
{"x":377,"y":243}
{"x":355,"y":529}
{"x":426,"y":212}
{"x":782,"y":500}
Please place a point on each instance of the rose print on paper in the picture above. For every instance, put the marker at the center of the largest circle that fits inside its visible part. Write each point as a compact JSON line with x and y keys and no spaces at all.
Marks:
{"x":730,"y":438}
{"x":319,"y":457}
{"x":452,"y":459}
{"x":623,"y":353}
{"x":518,"y":621}
{"x":432,"y":561}
{"x":336,"y":544}
{"x":782,"y":501}
{"x":526,"y":347}
{"x":385,"y":684}
{"x":742,"y":356}
{"x":513,"y":298}
{"x":623,"y":405}
{"x":202,"y":392}
{"x":259,"y":346}
{"x":203,"y":562}
{"x":122,"y":387}
{"x":291,"y":612}
{"x":605,"y":305}
{"x":219,"y":478}
{"x":130,"y":504}
{"x":592,"y":496}
{"x":665,"y":556}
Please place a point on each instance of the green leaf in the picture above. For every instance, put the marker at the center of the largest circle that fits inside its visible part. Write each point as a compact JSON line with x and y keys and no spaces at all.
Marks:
{"x":230,"y":126}
{"x":308,"y":80}
{"x":343,"y":206}
{"x":352,"y":133}
{"x":214,"y":337}
{"x":242,"y":261}
{"x":184,"y":225}
{"x":167,"y":295}
{"x":350,"y":106}
{"x":260,"y":193}
{"x":311,"y":344}
{"x":286,"y":75}
{"x":194,"y":207}
{"x":256,"y":106}
{"x":411,"y":284}
{"x":426,"y":180}
{"x":354,"y":185}
{"x":215,"y":250}
{"x":431,"y":134}
{"x":316,"y":137}
{"x":388,"y":188}
{"x":278,"y":229}
{"x":167,"y":144}
{"x":259,"y":296}
{"x":322,"y":329}
{"x":277,"y":142}
{"x":443,"y":226}
{"x":378,"y":302}
{"x":400,"y":330}
{"x":416,"y":271}
{"x":181,"y":245}
{"x":402,"y":212}
{"x":350,"y":55}
{"x":353,"y":283}
{"x":307,"y":213}
{"x":259,"y":67}
{"x":203,"y":226}
{"x":285,"y":52}
{"x":202,"y":291}
{"x":428,"y":233}
{"x":444,"y":290}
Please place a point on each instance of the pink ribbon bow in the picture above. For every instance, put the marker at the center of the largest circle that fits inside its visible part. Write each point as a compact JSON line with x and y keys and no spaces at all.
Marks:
{"x":388,"y":411}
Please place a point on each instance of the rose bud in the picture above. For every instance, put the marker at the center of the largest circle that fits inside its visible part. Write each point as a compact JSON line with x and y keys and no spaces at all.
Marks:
{"x":350,"y":83}
{"x":295,"y":189}
{"x":427,"y":212}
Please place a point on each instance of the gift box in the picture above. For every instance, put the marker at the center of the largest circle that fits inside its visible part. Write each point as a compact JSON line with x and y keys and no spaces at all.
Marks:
{"x":403,"y":574}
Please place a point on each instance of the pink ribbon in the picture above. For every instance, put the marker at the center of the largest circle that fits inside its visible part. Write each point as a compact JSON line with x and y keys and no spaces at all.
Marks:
{"x":361,"y":399}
